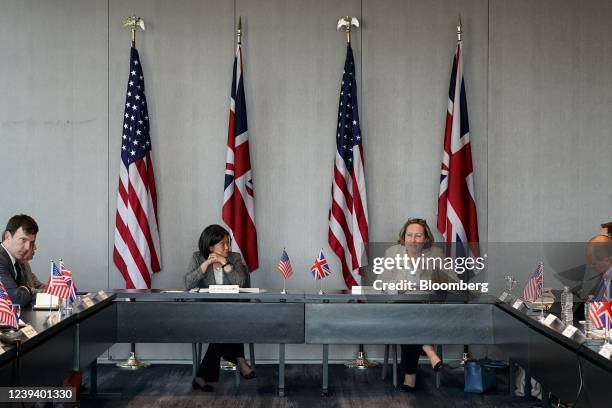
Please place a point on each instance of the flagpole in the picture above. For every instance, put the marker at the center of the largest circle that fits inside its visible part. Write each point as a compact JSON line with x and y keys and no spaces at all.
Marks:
{"x":542,"y":296}
{"x":133,"y":23}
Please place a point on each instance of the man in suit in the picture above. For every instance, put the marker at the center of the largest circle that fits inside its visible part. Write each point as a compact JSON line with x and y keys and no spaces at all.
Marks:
{"x":599,"y":258}
{"x":18,"y":241}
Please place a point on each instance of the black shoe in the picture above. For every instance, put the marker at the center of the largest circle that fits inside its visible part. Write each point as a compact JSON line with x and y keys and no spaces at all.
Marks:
{"x":249,"y":376}
{"x":439,"y":366}
{"x":205,"y":387}
{"x":406,"y":388}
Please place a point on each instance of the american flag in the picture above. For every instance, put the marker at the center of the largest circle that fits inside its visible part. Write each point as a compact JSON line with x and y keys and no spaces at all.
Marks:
{"x":67,"y":275}
{"x":457,"y":220}
{"x":137,"y":249}
{"x":59,"y":285}
{"x":320,"y":267}
{"x":238,"y":195}
{"x":535,"y":285}
{"x":348,"y":214}
{"x":600,"y":313}
{"x":284,"y":265}
{"x":7,"y":316}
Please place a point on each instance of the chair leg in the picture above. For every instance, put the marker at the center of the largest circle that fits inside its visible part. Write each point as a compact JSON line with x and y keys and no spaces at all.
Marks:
{"x":385,"y":363}
{"x":194,"y":358}
{"x":395,"y":365}
{"x":438,"y":373}
{"x":252,"y":355}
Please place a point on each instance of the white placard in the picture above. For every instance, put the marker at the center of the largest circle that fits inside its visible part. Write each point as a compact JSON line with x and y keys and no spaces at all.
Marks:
{"x":29,"y":331}
{"x":357,"y":290}
{"x":46,"y":301}
{"x":554,"y":323}
{"x":223,"y":289}
{"x":87,"y":301}
{"x":550,"y":319}
{"x":518,"y":304}
{"x":606,"y":351}
{"x":250,"y":290}
{"x":102,"y":295}
{"x":505,"y":297}
{"x":569,"y":331}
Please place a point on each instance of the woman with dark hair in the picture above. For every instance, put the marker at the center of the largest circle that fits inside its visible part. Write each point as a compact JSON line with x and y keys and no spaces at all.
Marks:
{"x":214,"y":264}
{"x":415,"y":240}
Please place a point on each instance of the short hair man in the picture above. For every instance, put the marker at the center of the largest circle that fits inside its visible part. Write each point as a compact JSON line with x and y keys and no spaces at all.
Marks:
{"x":18,"y":241}
{"x":599,"y":258}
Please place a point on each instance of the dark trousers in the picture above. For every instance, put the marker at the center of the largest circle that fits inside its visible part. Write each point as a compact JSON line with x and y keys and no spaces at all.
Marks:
{"x":410,"y":358}
{"x":209,"y":368}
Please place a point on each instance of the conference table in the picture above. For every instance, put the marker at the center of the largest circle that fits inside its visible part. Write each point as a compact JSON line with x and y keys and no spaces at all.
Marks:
{"x":567,"y":369}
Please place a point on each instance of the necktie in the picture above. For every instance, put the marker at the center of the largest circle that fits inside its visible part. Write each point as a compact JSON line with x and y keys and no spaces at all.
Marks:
{"x":18,"y":272}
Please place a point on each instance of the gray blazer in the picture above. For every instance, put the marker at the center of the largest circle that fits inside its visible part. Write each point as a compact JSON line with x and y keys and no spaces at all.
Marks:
{"x":18,"y":291}
{"x":195,"y":278}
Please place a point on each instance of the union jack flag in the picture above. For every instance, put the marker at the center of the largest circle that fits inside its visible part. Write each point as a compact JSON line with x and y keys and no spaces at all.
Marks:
{"x":320,"y":267}
{"x":67,"y":275}
{"x":457,"y":220}
{"x":600,"y":313}
{"x":7,"y":316}
{"x":59,"y":285}
{"x":535,"y":285}
{"x":284,"y":265}
{"x":238,"y":196}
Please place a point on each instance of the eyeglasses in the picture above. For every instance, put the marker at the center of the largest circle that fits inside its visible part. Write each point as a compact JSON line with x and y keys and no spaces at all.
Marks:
{"x":225,"y":242}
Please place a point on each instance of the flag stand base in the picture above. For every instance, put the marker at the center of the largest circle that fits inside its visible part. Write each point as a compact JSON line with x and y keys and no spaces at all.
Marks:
{"x":361,"y":362}
{"x":133,"y":363}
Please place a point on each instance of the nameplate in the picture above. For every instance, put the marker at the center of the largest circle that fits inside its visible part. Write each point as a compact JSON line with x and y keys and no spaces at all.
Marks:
{"x":46,"y":301}
{"x":87,"y":302}
{"x":505,"y":297}
{"x":519,"y":305}
{"x":223,"y":289}
{"x":29,"y":331}
{"x":357,"y":290}
{"x":572,"y":332}
{"x":606,"y":351}
{"x":553,"y":322}
{"x":102,"y":295}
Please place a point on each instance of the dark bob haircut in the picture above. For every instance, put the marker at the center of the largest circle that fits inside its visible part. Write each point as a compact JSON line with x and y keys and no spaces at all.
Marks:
{"x":211,"y":236}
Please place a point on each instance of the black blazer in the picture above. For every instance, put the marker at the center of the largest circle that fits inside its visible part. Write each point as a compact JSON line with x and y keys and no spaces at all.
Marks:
{"x":18,"y":292}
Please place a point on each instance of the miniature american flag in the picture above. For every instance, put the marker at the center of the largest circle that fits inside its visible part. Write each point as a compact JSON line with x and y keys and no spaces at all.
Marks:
{"x":284,"y":265}
{"x":535,"y":285}
{"x":7,"y":316}
{"x":58,"y":285}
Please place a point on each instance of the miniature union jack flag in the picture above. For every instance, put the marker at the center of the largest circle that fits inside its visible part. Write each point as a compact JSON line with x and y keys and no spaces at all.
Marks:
{"x":320,"y":267}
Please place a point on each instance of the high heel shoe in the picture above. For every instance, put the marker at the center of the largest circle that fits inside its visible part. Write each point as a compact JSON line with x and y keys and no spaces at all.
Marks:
{"x":439,"y":365}
{"x":406,"y":388}
{"x":249,"y":376}
{"x":198,"y":386}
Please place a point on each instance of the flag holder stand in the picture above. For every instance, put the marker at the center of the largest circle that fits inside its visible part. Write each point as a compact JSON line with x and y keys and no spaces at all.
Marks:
{"x":361,"y":362}
{"x":284,"y":291}
{"x":132,"y":362}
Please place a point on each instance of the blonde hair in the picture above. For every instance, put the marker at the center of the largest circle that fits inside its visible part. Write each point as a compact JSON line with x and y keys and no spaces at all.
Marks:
{"x":429,"y":238}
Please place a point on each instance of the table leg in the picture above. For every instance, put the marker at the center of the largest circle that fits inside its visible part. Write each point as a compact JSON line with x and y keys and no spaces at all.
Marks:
{"x":281,"y":370}
{"x":325,"y":386}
